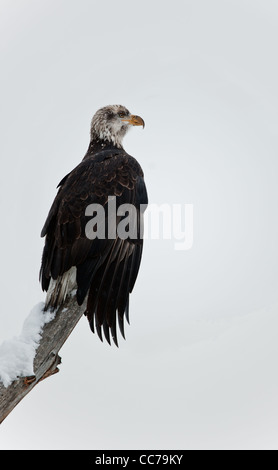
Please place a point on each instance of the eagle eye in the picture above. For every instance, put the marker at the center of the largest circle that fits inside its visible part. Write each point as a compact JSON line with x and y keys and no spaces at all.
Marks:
{"x":121,"y":114}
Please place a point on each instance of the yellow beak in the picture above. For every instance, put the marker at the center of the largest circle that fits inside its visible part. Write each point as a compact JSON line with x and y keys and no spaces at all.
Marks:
{"x":135,"y":120}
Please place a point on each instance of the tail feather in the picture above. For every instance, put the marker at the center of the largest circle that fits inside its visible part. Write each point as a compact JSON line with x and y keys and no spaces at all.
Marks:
{"x":60,"y":288}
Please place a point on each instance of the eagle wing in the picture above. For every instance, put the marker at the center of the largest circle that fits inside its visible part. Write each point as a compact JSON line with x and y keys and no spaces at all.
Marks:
{"x":106,"y":268}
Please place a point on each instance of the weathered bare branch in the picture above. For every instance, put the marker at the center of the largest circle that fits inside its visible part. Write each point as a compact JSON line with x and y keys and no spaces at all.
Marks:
{"x":54,"y":334}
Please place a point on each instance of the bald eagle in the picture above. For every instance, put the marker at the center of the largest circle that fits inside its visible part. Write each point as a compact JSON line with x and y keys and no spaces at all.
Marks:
{"x":102,"y":270}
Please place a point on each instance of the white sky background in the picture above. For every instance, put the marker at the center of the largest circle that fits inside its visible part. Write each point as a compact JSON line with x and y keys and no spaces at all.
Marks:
{"x":199,"y":366}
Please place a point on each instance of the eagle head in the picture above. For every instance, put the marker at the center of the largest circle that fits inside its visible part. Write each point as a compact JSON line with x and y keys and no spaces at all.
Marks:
{"x":112,"y":122}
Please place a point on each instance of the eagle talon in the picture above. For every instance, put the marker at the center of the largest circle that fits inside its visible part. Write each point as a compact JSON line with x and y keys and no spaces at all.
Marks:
{"x":29,"y":380}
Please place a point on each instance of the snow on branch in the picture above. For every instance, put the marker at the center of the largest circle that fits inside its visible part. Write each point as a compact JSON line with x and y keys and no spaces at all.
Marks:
{"x":33,"y":355}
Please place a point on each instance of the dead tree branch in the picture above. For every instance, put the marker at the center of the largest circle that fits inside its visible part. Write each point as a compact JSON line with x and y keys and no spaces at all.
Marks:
{"x":53,"y":336}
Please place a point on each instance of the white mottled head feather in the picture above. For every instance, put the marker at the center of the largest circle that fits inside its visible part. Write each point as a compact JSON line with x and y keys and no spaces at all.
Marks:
{"x":108,"y":124}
